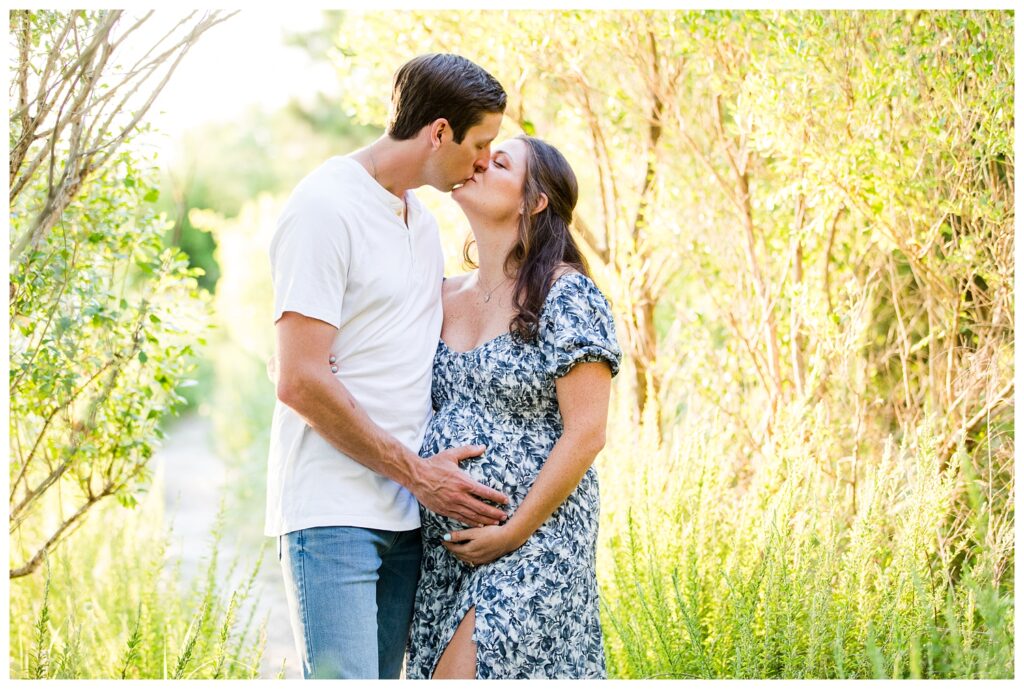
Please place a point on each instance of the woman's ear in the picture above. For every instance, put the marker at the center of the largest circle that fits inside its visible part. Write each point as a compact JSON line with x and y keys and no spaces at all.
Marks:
{"x":542,"y":203}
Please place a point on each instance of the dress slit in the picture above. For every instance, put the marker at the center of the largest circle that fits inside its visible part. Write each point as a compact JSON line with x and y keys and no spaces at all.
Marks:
{"x":454,"y":627}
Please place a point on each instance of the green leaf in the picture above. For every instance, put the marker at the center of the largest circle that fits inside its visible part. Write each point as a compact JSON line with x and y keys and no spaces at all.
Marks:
{"x":127,"y":500}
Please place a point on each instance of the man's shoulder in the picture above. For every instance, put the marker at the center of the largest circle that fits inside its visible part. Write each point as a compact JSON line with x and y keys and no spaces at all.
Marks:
{"x":329,"y":195}
{"x":333,"y":182}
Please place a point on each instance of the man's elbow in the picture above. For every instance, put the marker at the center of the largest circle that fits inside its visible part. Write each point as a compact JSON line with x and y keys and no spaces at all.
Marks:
{"x":286,"y":391}
{"x":292,"y":389}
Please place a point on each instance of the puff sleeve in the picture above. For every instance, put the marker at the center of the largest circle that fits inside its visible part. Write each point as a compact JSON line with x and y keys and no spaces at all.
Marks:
{"x":578,"y":327}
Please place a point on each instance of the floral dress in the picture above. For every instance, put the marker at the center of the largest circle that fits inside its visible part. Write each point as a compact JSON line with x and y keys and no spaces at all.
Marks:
{"x":536,"y":607}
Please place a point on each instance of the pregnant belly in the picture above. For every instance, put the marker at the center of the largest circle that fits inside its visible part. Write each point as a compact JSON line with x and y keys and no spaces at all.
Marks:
{"x":508,"y":465}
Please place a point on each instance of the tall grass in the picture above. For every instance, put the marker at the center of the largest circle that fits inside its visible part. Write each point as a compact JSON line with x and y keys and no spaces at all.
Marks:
{"x":106,"y":605}
{"x":712,"y":568}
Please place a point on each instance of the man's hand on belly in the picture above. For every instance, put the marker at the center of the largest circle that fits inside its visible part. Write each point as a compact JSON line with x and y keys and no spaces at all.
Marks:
{"x":444,"y":489}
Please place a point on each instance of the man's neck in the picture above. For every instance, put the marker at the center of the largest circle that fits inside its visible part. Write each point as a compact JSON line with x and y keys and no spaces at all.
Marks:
{"x":396,"y":165}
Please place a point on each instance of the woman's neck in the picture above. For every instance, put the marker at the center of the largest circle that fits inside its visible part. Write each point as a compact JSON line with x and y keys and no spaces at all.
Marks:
{"x":493,"y":245}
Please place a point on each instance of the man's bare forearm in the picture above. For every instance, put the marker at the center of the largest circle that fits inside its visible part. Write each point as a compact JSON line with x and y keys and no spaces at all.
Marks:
{"x":331,"y":410}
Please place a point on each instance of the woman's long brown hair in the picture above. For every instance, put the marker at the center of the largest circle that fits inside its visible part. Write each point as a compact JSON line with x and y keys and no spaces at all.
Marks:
{"x":544,"y":242}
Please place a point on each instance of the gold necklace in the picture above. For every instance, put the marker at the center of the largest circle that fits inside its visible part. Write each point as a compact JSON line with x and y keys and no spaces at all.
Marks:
{"x":488,"y":293}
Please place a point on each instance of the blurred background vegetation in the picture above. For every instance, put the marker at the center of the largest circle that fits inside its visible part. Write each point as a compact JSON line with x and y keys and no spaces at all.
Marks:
{"x":804,"y":222}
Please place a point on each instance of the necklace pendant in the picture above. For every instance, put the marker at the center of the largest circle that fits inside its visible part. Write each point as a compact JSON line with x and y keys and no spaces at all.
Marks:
{"x":487,"y":298}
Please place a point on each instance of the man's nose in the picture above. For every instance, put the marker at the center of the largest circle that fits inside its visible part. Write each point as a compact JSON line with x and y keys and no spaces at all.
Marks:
{"x":483,"y":161}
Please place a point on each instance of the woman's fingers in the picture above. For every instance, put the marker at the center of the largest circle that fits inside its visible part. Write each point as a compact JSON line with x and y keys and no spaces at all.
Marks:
{"x":459,"y":550}
{"x":460,"y":536}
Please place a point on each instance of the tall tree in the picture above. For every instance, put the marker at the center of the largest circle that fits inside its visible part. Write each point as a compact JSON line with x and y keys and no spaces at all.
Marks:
{"x":103,"y":319}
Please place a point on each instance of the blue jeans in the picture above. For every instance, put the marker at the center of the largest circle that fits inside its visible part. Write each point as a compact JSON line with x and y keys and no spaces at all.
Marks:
{"x":350,"y":594}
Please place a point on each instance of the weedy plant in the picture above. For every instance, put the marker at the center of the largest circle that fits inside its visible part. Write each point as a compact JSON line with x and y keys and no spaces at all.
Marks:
{"x":707,"y":573}
{"x":107,"y":605}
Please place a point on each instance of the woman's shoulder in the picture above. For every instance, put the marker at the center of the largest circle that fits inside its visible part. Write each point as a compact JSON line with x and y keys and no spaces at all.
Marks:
{"x":568,"y":280}
{"x":577,"y":324}
{"x":573,"y":295}
{"x":566,"y":276}
{"x":563,"y":269}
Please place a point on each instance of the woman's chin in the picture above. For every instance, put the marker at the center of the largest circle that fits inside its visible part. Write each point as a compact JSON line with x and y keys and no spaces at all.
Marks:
{"x":460,"y":194}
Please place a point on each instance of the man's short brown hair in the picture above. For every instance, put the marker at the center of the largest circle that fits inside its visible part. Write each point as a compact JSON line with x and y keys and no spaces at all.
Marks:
{"x":441,"y":85}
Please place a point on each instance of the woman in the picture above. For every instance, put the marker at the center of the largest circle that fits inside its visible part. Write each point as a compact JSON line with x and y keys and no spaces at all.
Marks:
{"x":524,"y":367}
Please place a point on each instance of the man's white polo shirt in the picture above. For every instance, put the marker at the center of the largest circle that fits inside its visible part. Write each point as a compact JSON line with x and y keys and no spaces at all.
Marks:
{"x":342,"y":254}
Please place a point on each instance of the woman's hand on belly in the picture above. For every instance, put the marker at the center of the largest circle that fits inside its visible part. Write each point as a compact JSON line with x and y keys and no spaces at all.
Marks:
{"x":479,"y":546}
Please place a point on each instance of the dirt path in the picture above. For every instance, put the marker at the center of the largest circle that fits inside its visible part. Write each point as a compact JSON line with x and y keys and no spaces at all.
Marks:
{"x":195,"y":480}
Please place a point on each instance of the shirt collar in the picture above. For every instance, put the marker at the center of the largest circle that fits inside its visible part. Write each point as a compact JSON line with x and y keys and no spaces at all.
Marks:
{"x":394,"y":204}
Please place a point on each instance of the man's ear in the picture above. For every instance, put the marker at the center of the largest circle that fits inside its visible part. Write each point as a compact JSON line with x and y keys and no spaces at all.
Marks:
{"x":439,"y":129}
{"x":542,"y":203}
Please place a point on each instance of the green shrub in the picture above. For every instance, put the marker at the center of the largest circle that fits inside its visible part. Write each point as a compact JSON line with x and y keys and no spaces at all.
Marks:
{"x":710,"y":574}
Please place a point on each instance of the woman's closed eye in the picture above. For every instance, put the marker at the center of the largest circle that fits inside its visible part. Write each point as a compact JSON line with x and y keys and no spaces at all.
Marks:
{"x":500,"y":159}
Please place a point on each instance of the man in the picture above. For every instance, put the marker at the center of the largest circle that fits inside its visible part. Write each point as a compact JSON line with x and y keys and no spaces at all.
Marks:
{"x":357,"y":269}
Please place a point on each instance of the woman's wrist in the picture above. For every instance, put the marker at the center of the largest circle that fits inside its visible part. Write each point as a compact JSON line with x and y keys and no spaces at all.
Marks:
{"x":517,"y":532}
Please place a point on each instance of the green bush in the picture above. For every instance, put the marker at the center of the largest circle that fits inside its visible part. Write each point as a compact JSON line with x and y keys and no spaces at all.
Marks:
{"x":710,"y":573}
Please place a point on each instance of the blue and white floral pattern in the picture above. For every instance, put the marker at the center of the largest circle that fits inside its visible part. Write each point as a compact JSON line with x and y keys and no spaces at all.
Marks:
{"x":537,"y":607}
